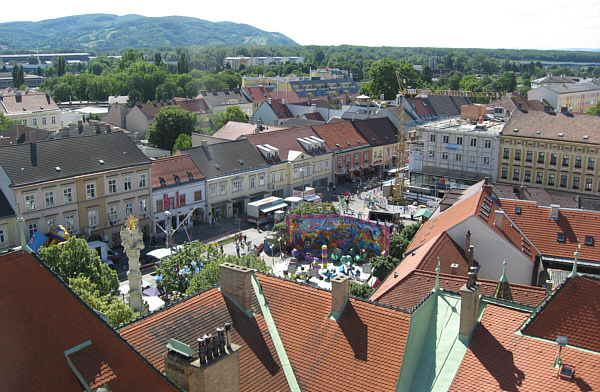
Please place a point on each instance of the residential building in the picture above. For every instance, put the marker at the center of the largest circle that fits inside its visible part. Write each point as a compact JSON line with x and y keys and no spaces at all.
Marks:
{"x":557,"y":151}
{"x":87,"y":184}
{"x":272,"y":112}
{"x":352,"y":153}
{"x":117,"y":115}
{"x":32,"y":108}
{"x":81,"y":351}
{"x":19,"y":133}
{"x":297,"y":159}
{"x":575,"y":97}
{"x":259,"y":94}
{"x":270,"y":83}
{"x":178,"y":187}
{"x":141,"y":117}
{"x":235,"y":174}
{"x":455,"y":153}
{"x":220,"y":101}
{"x":335,"y":91}
{"x":552,"y":80}
{"x":235,"y":62}
{"x":382,"y":135}
{"x":8,"y":234}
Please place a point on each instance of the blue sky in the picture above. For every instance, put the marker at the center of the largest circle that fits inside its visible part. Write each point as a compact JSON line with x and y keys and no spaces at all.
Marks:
{"x":524,"y":24}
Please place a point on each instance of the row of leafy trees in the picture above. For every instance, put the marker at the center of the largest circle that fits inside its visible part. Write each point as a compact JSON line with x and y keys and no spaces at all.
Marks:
{"x":98,"y":285}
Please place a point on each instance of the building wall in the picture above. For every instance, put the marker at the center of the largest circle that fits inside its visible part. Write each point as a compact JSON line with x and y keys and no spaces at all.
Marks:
{"x":180,"y":211}
{"x":137,"y":121}
{"x":49,"y":120}
{"x":8,"y":235}
{"x":449,"y":154}
{"x":491,"y":249}
{"x":580,"y":175}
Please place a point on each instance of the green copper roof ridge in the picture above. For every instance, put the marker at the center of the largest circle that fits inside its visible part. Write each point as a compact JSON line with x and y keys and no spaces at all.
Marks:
{"x":277,"y":342}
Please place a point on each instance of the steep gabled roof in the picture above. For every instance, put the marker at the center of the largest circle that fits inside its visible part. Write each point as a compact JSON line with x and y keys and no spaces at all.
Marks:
{"x":449,"y":218}
{"x":573,"y":311}
{"x":408,"y":292}
{"x":446,"y":106}
{"x":341,"y":134}
{"x":74,"y":156}
{"x":234,"y":130}
{"x":171,"y":169}
{"x":21,"y":134}
{"x":42,"y":318}
{"x":215,"y":160}
{"x":368,"y":338}
{"x":377,"y":131}
{"x":498,"y":359}
{"x":280,"y":109}
{"x":534,"y":221}
{"x":190,"y":319}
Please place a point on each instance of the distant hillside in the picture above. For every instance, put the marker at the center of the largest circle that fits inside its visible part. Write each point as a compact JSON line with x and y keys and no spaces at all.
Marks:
{"x":104,"y":31}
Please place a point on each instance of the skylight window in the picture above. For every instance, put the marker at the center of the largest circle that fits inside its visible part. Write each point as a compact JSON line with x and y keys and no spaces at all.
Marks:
{"x":560,"y":237}
{"x":589,"y":240}
{"x":518,"y":210}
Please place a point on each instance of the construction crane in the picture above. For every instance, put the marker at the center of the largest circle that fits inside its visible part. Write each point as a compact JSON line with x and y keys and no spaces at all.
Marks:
{"x":398,"y":188}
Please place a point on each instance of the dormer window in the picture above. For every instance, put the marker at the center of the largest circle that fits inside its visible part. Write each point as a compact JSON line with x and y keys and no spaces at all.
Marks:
{"x":162,"y":181}
{"x":190,"y":176}
{"x":176,"y":179}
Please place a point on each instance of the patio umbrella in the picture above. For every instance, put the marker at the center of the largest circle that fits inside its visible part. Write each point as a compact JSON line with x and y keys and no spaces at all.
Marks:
{"x":151,"y":291}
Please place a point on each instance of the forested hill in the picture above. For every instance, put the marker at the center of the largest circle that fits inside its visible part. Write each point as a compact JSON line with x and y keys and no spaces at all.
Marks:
{"x":104,"y":31}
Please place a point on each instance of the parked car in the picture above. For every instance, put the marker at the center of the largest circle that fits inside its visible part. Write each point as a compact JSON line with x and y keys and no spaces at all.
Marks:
{"x":113,"y":256}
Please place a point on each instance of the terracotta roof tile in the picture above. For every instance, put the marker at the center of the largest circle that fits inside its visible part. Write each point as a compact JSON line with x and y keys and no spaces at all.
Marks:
{"x":233,"y":130}
{"x":179,"y":165}
{"x":33,"y":101}
{"x":42,"y":318}
{"x":341,"y":133}
{"x":368,"y":341}
{"x":534,"y":221}
{"x":280,"y":109}
{"x":285,"y":140}
{"x":498,"y":359}
{"x":190,"y":319}
{"x":573,"y":311}
{"x":408,"y":292}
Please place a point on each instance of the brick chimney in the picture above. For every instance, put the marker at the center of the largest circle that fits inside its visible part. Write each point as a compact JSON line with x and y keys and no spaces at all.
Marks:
{"x":20,"y":130}
{"x":97,"y":127}
{"x":33,"y":148}
{"x":215,"y":367}
{"x":340,"y":292}
{"x":469,"y":304}
{"x":454,"y":269}
{"x":80,"y":126}
{"x":498,"y":218}
{"x":18,"y":96}
{"x":236,"y":284}
{"x":554,"y":210}
{"x":468,"y":240}
{"x":470,"y":256}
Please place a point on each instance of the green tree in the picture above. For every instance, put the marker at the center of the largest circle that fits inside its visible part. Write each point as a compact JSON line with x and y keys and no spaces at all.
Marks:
{"x":383,"y":79}
{"x":128,"y":58}
{"x":426,"y":74}
{"x":61,"y":66}
{"x":319,"y":55}
{"x":63,"y":93}
{"x":32,"y":60}
{"x":18,"y":76}
{"x":158,"y":59}
{"x":182,"y":141}
{"x":232,"y":113}
{"x":361,"y":290}
{"x":117,"y":312}
{"x":169,"y":123}
{"x":5,"y":122}
{"x":182,"y":64}
{"x":383,"y":266}
{"x":182,"y":272}
{"x":76,"y":259}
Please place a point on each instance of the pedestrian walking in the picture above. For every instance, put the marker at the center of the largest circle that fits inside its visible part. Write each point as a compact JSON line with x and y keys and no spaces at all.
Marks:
{"x":245,"y":239}
{"x":237,"y":249}
{"x":222,"y":249}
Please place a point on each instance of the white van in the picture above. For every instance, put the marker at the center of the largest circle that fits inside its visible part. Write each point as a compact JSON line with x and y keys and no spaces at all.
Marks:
{"x":102,"y":249}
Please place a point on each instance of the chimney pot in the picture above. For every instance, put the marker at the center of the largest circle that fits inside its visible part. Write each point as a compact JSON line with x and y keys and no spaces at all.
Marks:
{"x":469,"y":308}
{"x":228,"y":335}
{"x":202,"y":350}
{"x":549,"y":285}
{"x":454,"y":269}
{"x":203,"y":143}
{"x":470,"y":255}
{"x":209,"y":346}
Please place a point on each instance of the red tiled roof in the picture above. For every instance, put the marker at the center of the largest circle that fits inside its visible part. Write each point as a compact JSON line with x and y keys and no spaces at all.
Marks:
{"x":368,"y":339}
{"x":178,"y":165}
{"x":408,"y":292}
{"x":417,"y":104}
{"x":233,"y":130}
{"x":362,"y":351}
{"x":280,"y":110}
{"x":534,"y":221}
{"x":186,"y":321}
{"x":342,"y":133}
{"x":498,"y":359}
{"x":574,"y":311}
{"x":41,"y":319}
{"x":448,"y":219}
{"x":314,"y":116}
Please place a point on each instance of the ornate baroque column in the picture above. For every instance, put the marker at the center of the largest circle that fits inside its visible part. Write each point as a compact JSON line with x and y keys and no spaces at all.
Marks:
{"x":133,"y":243}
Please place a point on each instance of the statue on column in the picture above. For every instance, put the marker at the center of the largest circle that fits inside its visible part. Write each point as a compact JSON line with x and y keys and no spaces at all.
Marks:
{"x":132,"y":241}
